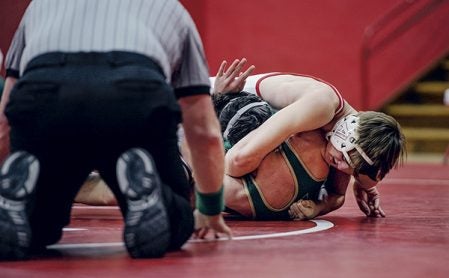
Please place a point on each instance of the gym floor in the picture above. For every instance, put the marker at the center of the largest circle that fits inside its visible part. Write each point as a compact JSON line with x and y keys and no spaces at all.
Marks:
{"x":412,"y":241}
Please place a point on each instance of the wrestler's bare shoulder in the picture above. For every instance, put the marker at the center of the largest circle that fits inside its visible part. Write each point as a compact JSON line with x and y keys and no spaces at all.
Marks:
{"x":281,"y":90}
{"x":289,"y":81}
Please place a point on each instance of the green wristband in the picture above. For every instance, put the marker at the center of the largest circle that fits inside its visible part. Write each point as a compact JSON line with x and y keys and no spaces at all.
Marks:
{"x":210,"y":203}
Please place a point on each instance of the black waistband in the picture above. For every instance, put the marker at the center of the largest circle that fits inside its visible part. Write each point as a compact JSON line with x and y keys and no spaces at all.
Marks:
{"x":112,"y":58}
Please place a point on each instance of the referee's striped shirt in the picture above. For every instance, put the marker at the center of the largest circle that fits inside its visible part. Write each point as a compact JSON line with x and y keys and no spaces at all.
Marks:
{"x":160,"y":29}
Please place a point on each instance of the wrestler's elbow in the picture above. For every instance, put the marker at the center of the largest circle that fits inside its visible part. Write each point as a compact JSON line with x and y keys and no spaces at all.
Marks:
{"x":238,"y":163}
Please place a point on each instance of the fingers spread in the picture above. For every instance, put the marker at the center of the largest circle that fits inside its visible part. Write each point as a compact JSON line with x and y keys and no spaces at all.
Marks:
{"x":220,"y":227}
{"x":227,"y":231}
{"x":382,"y":212}
{"x":246,"y":73}
{"x":364,"y":207}
{"x":222,"y":68}
{"x":203,"y":232}
{"x":231,"y":72}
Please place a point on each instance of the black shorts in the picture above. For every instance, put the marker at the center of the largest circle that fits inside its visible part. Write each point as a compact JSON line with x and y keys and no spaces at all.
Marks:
{"x":79,"y":112}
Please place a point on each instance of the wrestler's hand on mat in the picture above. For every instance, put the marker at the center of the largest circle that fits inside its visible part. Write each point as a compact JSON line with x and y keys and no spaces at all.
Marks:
{"x":368,"y":201}
{"x":205,"y":223}
{"x":231,"y":80}
{"x":303,"y":210}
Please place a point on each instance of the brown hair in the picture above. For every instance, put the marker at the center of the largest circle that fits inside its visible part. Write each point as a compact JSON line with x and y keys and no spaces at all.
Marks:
{"x":381,"y":138}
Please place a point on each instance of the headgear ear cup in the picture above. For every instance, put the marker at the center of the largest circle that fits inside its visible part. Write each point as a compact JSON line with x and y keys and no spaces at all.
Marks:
{"x":239,"y":113}
{"x":344,"y":137}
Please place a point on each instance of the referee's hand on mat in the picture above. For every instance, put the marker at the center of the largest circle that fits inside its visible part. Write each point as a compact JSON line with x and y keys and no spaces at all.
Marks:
{"x":207,"y":223}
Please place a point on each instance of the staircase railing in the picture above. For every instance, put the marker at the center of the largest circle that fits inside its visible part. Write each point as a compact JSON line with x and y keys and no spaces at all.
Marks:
{"x":370,"y":46}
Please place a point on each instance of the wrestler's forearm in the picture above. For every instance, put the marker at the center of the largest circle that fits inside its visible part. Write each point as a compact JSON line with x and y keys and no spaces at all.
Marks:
{"x":364,"y":181}
{"x":247,"y":154}
{"x":333,"y":202}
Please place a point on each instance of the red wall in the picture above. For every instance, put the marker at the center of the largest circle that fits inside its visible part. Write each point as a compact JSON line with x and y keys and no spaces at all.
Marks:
{"x":411,"y":53}
{"x":10,"y":15}
{"x":321,"y":38}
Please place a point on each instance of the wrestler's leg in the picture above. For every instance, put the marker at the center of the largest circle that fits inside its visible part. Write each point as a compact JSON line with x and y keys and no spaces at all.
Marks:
{"x":95,"y":192}
{"x":236,"y":197}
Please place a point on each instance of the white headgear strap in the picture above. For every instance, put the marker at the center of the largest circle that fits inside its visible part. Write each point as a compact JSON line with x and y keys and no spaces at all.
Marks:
{"x":239,"y":113}
{"x":344,"y":137}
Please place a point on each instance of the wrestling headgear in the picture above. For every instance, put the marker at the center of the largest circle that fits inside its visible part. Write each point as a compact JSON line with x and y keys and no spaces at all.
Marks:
{"x":344,"y":137}
{"x":239,"y":113}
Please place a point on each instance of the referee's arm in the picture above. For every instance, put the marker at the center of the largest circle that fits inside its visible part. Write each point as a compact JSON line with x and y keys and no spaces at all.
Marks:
{"x":4,"y":125}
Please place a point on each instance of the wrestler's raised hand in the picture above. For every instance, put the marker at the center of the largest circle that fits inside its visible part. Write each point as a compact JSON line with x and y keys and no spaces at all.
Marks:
{"x":232,"y":79}
{"x":205,"y":223}
{"x":368,"y":200}
{"x":303,"y":210}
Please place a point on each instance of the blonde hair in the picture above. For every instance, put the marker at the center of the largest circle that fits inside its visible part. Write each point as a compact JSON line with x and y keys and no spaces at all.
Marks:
{"x":381,"y":138}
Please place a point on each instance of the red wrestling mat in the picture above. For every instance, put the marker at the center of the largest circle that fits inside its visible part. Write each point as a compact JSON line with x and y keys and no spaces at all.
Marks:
{"x":412,"y":241}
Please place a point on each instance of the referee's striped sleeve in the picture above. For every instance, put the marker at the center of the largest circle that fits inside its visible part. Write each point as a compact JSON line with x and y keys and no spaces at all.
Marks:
{"x":14,"y":55}
{"x":192,"y":75}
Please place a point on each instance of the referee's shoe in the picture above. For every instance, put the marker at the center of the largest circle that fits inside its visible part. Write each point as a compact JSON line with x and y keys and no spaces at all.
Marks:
{"x":18,"y":177}
{"x":147,"y":227}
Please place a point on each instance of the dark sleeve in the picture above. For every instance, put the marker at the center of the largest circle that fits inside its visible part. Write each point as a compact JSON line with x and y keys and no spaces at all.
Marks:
{"x":191,"y":91}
